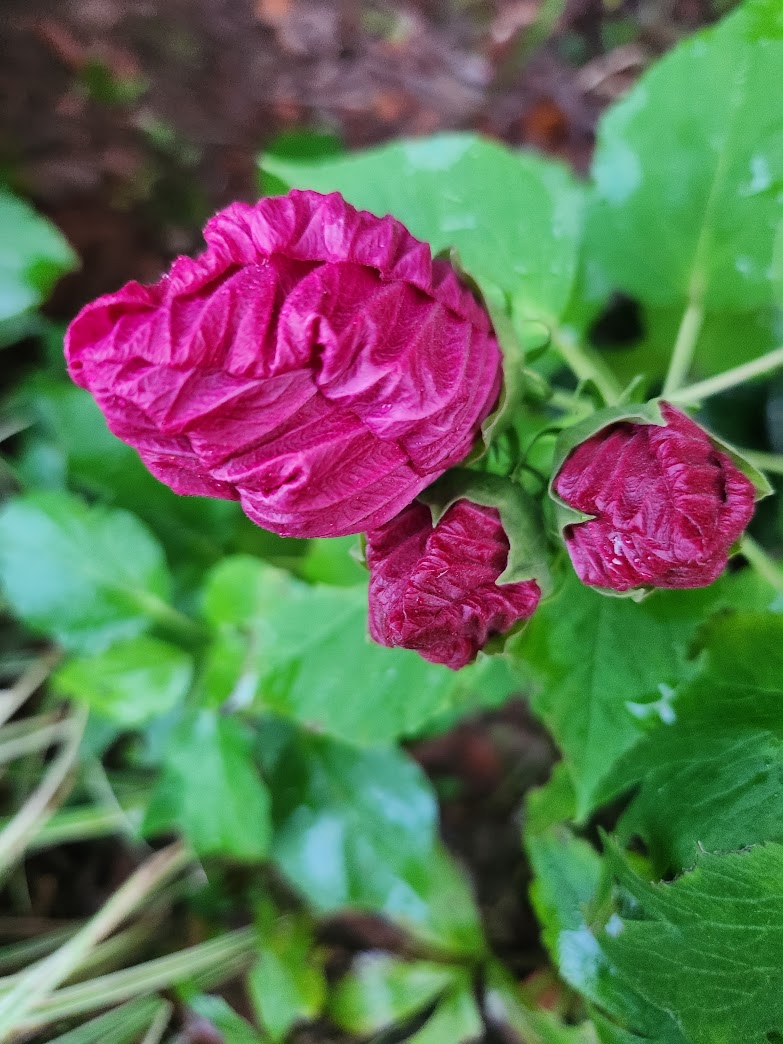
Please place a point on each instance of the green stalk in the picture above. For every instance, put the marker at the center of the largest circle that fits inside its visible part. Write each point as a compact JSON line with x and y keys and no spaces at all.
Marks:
{"x":684,"y":347}
{"x":106,"y":954}
{"x":39,"y":981}
{"x":585,"y":364}
{"x":169,"y":618}
{"x":224,"y":957}
{"x":730,"y":379}
{"x":766,"y":567}
{"x":569,"y":402}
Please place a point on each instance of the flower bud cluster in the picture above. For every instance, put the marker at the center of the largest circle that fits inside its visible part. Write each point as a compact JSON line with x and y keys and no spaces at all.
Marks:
{"x":318,"y":365}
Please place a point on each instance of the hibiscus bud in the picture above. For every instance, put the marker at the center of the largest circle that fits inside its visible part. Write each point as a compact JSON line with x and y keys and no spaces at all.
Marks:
{"x":314,"y":363}
{"x":434,"y":589}
{"x":668,"y":505}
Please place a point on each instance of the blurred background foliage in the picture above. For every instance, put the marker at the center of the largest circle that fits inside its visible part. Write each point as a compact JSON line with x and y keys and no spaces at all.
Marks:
{"x":352,"y":866}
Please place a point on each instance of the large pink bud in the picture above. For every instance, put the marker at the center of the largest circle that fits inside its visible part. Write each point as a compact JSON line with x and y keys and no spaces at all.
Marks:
{"x":314,"y":363}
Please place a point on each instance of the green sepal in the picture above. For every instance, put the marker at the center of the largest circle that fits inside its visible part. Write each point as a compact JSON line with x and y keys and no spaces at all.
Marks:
{"x":570,"y":438}
{"x":758,"y":478}
{"x":519,"y":513}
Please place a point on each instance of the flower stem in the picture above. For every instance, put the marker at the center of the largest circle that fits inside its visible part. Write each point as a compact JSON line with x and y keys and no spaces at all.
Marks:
{"x":765,"y":566}
{"x":684,"y":347}
{"x":169,"y":618}
{"x":586,"y":365}
{"x":730,"y":379}
{"x":568,"y":402}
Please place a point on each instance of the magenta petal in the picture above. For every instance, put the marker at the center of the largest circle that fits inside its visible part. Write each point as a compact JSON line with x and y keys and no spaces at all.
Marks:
{"x":668,"y":506}
{"x":314,"y":363}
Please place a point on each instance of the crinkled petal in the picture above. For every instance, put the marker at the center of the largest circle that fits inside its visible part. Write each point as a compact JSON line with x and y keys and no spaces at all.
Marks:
{"x":314,"y":363}
{"x":435,"y":589}
{"x":668,"y":506}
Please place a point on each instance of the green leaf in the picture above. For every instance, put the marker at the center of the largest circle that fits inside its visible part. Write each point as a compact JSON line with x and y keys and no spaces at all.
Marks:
{"x":446,"y":915}
{"x":331,"y":560}
{"x":71,"y":429}
{"x":551,"y":804}
{"x":591,"y":658}
{"x":306,"y":656}
{"x":567,"y":874}
{"x":351,"y":825}
{"x":33,"y":256}
{"x":87,"y":576}
{"x":514,"y":218}
{"x":565,"y":893}
{"x":456,"y":1020}
{"x":221,"y":1015}
{"x":130,"y":682}
{"x":211,"y":789}
{"x":712,"y":775}
{"x":381,"y":990}
{"x":689,"y":197}
{"x":709,"y":946}
{"x":357,"y":828}
{"x":287,"y":983}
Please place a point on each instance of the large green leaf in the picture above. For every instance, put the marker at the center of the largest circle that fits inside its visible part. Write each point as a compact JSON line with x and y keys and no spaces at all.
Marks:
{"x":514,"y":218}
{"x":87,"y":576}
{"x":712,"y":776}
{"x":303,"y":652}
{"x":709,"y":946}
{"x":593,"y":658}
{"x":350,"y":825}
{"x":357,"y":828}
{"x":211,"y":789}
{"x":130,"y":682}
{"x":689,"y":171}
{"x":565,"y":893}
{"x":33,"y":255}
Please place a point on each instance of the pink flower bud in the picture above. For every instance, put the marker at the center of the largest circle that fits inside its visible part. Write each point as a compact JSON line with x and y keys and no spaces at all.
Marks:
{"x":435,"y":590}
{"x":668,"y":505}
{"x":314,"y":363}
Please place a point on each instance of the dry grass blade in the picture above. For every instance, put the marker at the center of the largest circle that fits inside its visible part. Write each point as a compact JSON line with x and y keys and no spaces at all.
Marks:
{"x":21,"y":691}
{"x":41,"y":804}
{"x":41,"y":979}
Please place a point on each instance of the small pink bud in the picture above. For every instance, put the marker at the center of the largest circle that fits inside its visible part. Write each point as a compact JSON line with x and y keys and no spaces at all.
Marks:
{"x":668,"y":505}
{"x":434,"y":589}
